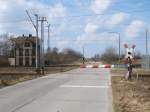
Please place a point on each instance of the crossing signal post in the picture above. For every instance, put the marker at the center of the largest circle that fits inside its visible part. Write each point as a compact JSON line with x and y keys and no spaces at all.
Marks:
{"x":129,"y":57}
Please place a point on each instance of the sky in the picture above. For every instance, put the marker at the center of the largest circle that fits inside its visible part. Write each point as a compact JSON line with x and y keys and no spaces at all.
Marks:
{"x":90,"y":24}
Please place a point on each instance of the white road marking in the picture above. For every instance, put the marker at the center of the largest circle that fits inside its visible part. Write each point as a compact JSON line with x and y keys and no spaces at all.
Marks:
{"x":109,"y":81}
{"x":82,"y":86}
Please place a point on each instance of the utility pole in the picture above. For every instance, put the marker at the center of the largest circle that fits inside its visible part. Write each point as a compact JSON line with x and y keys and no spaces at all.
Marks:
{"x":37,"y":43}
{"x":42,"y":20}
{"x":83,"y":61}
{"x":48,"y":41}
{"x":119,"y":47}
{"x":146,"y":47}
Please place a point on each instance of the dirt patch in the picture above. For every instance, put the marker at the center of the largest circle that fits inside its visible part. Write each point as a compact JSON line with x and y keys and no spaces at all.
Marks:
{"x":131,"y":96}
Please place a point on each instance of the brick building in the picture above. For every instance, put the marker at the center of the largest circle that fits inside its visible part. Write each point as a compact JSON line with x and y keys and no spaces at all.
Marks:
{"x":25,"y":50}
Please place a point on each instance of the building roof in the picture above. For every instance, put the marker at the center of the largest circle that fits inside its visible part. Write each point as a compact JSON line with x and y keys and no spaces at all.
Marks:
{"x":22,"y":39}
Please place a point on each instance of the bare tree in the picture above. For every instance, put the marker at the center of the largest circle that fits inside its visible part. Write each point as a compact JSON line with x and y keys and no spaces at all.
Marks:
{"x":5,"y":49}
{"x":5,"y":45}
{"x":110,"y":55}
{"x":64,"y":57}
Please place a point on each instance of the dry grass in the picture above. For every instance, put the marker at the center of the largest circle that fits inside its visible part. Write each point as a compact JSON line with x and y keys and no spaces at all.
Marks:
{"x":131,"y":96}
{"x":11,"y":80}
{"x":11,"y":76}
{"x":122,"y":71}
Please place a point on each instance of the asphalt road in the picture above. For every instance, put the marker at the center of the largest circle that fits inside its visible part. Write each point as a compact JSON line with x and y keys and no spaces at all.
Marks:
{"x":80,"y":90}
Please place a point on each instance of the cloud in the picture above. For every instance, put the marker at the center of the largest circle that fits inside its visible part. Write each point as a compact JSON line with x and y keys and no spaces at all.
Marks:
{"x":105,"y":22}
{"x":58,"y":10}
{"x":99,"y":6}
{"x":91,"y":28}
{"x":116,"y":19}
{"x":13,"y":17}
{"x":56,"y":15}
{"x":96,"y":38}
{"x":14,"y":20}
{"x":92,"y":31}
{"x":63,"y":44}
{"x":134,"y":28}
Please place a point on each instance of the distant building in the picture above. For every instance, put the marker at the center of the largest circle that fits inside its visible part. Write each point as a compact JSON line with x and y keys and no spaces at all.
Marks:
{"x":25,"y":50}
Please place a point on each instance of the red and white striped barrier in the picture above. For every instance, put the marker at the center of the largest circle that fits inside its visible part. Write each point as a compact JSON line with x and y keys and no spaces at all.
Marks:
{"x":97,"y":66}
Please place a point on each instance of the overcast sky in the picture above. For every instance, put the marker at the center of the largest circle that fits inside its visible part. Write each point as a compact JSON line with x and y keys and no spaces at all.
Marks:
{"x":78,"y":23}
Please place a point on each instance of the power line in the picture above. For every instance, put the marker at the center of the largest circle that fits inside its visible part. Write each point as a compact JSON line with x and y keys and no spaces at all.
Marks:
{"x":98,"y":14}
{"x":83,"y":15}
{"x":31,"y":19}
{"x":92,"y":40}
{"x":15,"y":21}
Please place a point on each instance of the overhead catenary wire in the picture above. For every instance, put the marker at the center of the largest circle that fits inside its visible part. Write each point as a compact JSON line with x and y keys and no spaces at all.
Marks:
{"x":98,"y":14}
{"x":82,"y":15}
{"x":36,"y":28}
{"x":31,"y":19}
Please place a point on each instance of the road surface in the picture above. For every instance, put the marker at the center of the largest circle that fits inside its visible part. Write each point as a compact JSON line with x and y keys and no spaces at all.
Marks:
{"x":80,"y":90}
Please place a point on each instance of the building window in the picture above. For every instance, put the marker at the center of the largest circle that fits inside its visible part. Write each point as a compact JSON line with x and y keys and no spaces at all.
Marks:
{"x":20,"y":61}
{"x":27,"y":44}
{"x":26,"y":61}
{"x":20,"y":52}
{"x":33,"y":45}
{"x":33,"y":52}
{"x":27,"y":52}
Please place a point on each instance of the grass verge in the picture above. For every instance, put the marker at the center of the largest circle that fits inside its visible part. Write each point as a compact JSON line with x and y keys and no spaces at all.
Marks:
{"x":11,"y":76}
{"x":131,"y":96}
